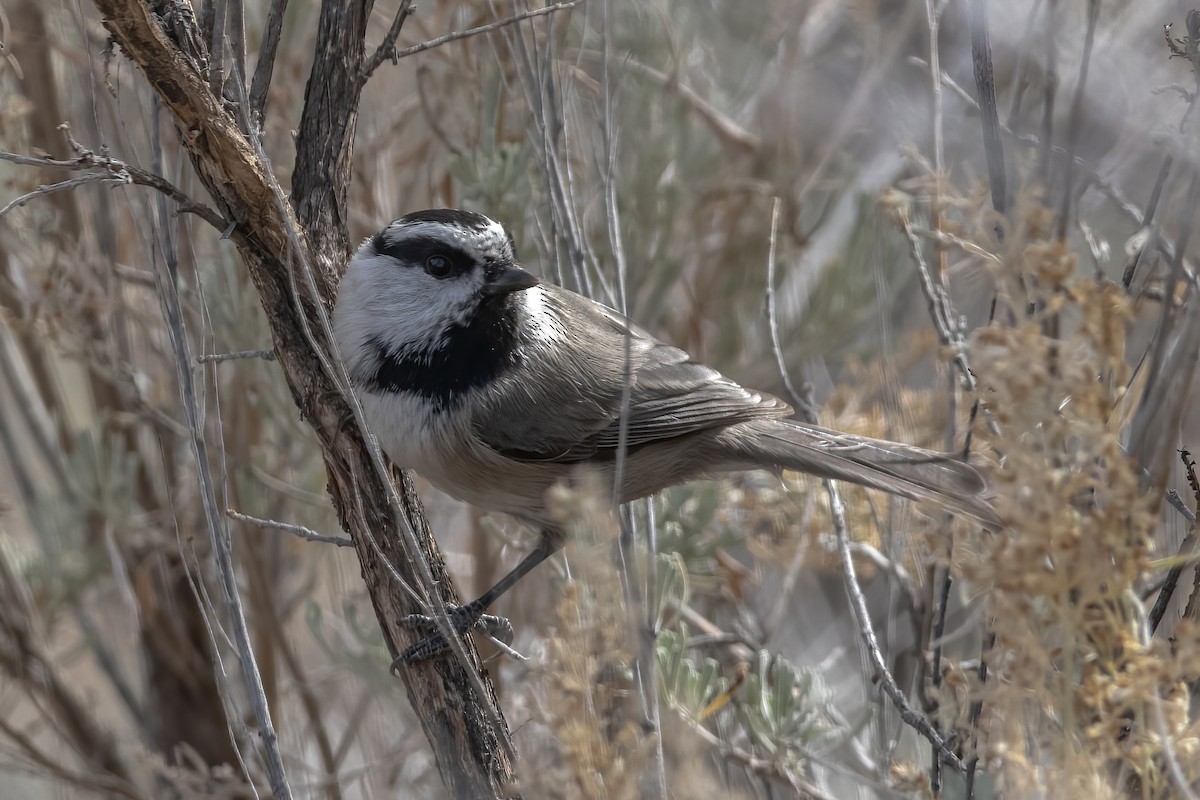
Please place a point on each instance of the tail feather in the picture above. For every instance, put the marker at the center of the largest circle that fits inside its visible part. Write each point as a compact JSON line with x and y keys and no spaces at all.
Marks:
{"x":898,"y":469}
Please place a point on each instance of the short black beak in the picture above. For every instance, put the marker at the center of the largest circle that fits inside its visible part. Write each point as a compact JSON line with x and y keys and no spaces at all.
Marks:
{"x":508,"y":279}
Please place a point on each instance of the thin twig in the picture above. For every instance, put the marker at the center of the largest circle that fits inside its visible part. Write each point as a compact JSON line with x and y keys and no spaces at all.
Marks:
{"x":945,"y":321}
{"x":501,"y":645}
{"x":933,"y":16}
{"x":1177,"y":503}
{"x":117,"y":177}
{"x":866,"y":630}
{"x":1186,"y":554}
{"x":976,"y":710}
{"x":941,"y":309}
{"x":89,"y":160}
{"x":1160,"y":182}
{"x":944,"y":237}
{"x":387,"y":50}
{"x":800,"y":400}
{"x":394,"y":573}
{"x":307,"y":534}
{"x":309,"y":700}
{"x":216,"y":48}
{"x":214,"y":358}
{"x":537,"y":80}
{"x":168,"y":295}
{"x":640,"y":599}
{"x":741,"y":648}
{"x":1017,"y":81}
{"x":650,"y":654}
{"x":937,"y":630}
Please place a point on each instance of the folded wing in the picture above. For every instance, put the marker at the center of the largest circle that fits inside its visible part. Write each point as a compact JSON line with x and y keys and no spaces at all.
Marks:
{"x":603,"y":368}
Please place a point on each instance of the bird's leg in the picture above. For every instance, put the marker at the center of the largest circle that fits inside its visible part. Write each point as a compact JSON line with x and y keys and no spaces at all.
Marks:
{"x":463,"y":618}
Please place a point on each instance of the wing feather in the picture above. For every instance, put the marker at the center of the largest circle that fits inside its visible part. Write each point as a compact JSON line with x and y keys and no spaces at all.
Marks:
{"x":576,"y":416}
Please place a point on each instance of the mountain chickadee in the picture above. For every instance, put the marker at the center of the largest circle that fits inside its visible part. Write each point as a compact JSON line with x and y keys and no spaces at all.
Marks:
{"x":495,"y":386}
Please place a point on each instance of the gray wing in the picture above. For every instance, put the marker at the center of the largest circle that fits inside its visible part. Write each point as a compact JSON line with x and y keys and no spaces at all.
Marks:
{"x":575,"y":414}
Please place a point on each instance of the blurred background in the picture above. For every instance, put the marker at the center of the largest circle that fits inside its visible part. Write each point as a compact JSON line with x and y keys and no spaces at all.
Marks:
{"x":698,"y":163}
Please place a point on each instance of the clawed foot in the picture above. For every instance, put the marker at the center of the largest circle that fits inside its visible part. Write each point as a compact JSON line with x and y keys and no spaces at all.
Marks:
{"x":462,"y":618}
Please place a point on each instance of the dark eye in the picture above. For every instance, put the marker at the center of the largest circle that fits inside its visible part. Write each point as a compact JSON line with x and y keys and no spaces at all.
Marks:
{"x":438,"y":265}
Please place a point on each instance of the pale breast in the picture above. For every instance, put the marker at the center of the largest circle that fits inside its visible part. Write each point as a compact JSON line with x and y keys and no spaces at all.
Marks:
{"x":404,"y":424}
{"x":441,"y":448}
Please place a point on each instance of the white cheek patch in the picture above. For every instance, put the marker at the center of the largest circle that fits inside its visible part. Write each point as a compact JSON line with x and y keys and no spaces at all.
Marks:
{"x":401,"y":307}
{"x":542,"y":322}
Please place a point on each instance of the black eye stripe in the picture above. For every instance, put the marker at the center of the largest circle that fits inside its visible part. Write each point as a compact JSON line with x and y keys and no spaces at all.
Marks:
{"x":413,"y":251}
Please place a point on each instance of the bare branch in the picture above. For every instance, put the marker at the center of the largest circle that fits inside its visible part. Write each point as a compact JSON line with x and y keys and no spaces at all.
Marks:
{"x":215,"y":358}
{"x":172,"y":313}
{"x":802,"y":402}
{"x":941,"y":311}
{"x":867,"y":632}
{"x":307,"y":534}
{"x":120,"y":172}
{"x":272,"y":30}
{"x":70,"y":183}
{"x":1187,"y":551}
{"x":387,"y":50}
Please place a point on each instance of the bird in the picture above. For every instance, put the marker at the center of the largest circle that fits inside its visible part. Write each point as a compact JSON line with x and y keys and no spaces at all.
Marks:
{"x":495,"y":385}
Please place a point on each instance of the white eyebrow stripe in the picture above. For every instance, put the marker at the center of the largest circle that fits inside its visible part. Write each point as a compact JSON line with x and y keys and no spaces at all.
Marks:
{"x":491,"y":241}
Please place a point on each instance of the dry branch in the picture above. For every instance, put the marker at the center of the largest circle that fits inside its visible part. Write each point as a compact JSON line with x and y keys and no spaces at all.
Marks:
{"x":111,"y":170}
{"x":473,"y":755}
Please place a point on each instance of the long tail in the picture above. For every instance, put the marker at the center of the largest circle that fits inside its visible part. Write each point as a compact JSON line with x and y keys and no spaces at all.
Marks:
{"x":898,"y":469}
